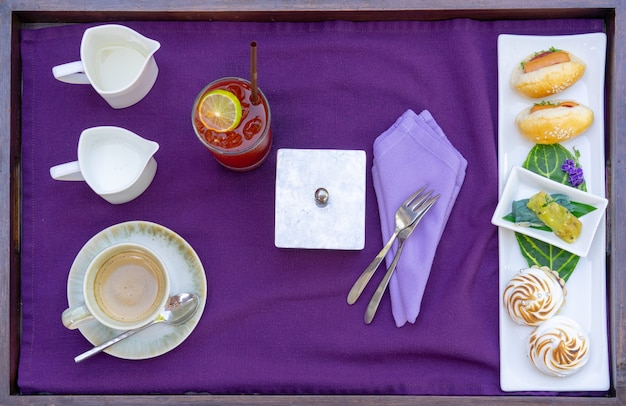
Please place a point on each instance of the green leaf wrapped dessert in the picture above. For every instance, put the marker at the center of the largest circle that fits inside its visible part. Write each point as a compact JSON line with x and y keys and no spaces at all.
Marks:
{"x":561,"y":221}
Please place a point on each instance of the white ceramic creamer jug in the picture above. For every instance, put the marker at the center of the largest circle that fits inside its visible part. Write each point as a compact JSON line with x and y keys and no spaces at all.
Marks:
{"x":117,"y":61}
{"x":116,"y":163}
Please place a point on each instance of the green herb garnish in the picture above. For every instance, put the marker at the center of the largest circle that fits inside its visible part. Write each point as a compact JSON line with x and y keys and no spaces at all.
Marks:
{"x":545,"y":103}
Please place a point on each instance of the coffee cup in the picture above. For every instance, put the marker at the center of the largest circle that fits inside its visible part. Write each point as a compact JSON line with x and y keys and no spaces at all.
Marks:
{"x":116,"y":163}
{"x":117,"y":61}
{"x":125,"y":287}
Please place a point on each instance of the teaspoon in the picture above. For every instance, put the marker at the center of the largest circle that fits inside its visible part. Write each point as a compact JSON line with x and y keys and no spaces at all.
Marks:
{"x":179,"y":309}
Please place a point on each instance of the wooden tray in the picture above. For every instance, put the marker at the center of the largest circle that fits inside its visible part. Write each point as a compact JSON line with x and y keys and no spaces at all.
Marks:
{"x":17,"y":14}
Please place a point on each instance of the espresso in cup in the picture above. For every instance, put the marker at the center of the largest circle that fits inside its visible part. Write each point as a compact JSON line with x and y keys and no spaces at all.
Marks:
{"x":124,"y":287}
{"x":129,"y":286}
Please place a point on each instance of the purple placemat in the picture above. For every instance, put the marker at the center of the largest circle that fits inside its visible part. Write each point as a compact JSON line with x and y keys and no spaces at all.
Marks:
{"x":276,"y":320}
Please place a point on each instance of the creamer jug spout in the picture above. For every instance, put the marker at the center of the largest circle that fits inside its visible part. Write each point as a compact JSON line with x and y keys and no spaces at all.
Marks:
{"x":147,"y":148}
{"x":150,"y":45}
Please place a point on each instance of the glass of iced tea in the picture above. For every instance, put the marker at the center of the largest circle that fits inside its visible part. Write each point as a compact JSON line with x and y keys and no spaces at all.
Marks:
{"x":234,"y":126}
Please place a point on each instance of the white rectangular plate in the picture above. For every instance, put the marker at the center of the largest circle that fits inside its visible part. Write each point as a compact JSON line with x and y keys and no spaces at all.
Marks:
{"x":586,"y":288}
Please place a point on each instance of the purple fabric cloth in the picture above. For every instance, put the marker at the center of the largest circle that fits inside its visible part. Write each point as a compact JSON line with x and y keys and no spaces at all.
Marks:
{"x":411,"y":154}
{"x":276,"y":320}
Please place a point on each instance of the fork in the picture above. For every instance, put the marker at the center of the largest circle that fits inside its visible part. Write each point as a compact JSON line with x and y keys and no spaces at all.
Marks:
{"x":402,"y":237}
{"x":404,"y":217}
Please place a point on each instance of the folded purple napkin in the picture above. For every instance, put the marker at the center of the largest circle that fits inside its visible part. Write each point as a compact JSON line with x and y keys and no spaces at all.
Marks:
{"x":414,"y":152}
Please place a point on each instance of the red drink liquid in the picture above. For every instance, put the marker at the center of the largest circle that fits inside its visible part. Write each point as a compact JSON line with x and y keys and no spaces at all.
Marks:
{"x":248,"y":145}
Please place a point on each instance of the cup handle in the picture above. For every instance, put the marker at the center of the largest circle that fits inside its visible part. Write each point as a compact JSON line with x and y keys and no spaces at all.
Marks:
{"x":71,"y":72}
{"x":67,"y":171}
{"x":74,"y":316}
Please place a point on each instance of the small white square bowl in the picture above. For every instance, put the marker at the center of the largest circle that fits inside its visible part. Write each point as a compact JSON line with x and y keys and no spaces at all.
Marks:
{"x":523,"y":184}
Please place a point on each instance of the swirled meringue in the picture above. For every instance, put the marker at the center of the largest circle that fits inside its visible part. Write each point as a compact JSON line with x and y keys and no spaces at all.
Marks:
{"x":559,"y":347}
{"x":534,"y":295}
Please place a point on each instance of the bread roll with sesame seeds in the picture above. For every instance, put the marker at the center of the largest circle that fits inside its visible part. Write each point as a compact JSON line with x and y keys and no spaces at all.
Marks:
{"x":545,"y":73}
{"x":551,"y":122}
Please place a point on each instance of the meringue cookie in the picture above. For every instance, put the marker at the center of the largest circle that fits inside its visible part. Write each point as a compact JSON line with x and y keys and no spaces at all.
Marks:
{"x":534,"y":295}
{"x":559,"y":347}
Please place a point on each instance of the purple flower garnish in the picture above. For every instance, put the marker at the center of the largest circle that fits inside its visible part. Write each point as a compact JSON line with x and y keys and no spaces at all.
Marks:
{"x":575,"y":172}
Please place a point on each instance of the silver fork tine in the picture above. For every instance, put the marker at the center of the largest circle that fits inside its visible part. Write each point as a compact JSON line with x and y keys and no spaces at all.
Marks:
{"x":361,"y":282}
{"x":418,"y":202}
{"x":372,"y":306}
{"x":413,"y":196}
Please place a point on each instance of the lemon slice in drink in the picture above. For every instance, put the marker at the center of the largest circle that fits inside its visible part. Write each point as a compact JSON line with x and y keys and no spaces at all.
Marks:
{"x":220,"y":110}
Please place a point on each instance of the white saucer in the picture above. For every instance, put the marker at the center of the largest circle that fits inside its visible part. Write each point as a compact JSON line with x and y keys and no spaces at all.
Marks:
{"x":186,"y":275}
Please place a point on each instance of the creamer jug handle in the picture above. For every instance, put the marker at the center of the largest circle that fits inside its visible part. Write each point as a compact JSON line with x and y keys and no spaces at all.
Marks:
{"x":67,"y":171}
{"x":71,"y":72}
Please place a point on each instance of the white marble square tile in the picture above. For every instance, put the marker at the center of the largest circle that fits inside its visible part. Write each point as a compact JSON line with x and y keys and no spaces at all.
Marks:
{"x":300,"y":221}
